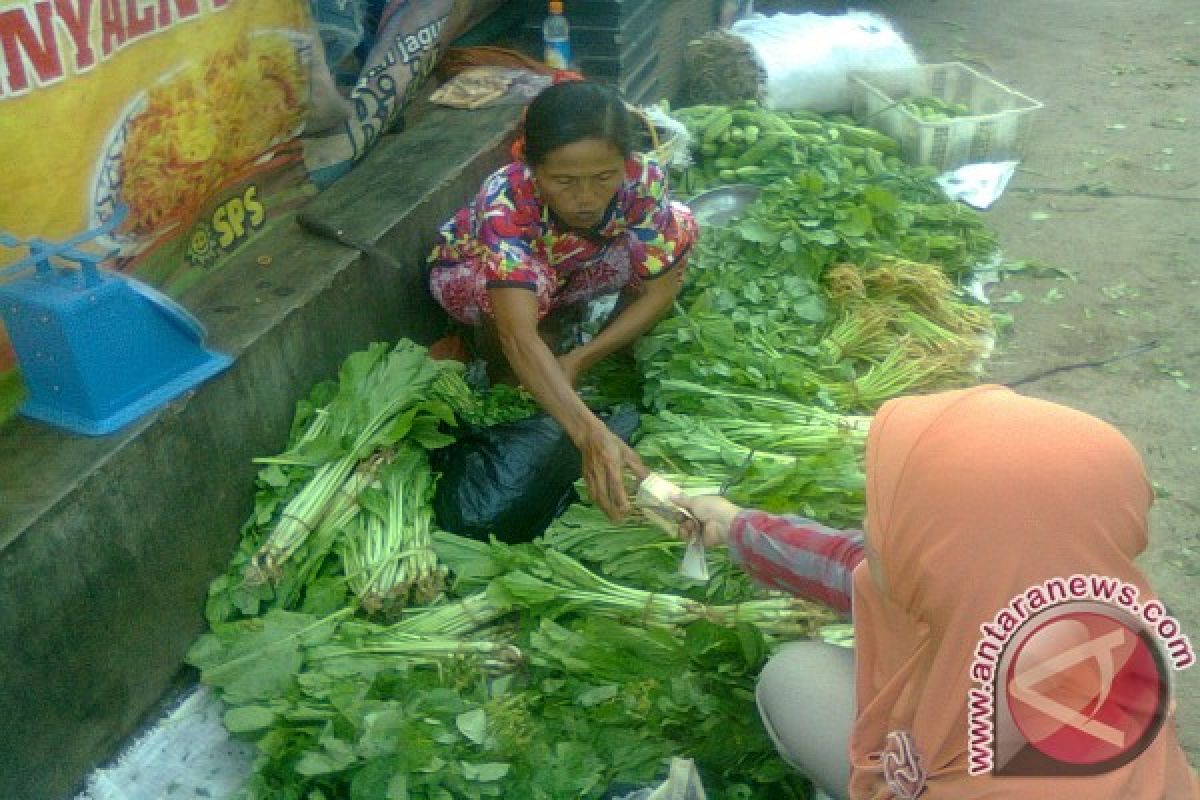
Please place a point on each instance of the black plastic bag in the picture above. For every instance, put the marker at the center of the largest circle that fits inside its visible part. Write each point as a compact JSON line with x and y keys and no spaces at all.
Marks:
{"x":513,"y":480}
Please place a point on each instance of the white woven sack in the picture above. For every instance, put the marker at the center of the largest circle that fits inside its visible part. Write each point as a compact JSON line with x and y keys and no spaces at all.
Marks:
{"x":808,"y":57}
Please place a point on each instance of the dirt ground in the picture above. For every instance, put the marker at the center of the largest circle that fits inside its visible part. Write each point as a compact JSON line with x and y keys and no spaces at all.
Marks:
{"x":1121,"y":86}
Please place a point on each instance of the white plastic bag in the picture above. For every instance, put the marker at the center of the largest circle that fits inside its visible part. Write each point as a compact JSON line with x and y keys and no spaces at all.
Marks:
{"x":978,"y":185}
{"x":808,"y":57}
{"x":668,"y":126}
{"x":683,"y":783}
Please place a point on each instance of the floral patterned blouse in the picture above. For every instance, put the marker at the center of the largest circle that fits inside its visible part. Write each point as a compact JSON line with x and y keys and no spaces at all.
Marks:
{"x":508,"y":237}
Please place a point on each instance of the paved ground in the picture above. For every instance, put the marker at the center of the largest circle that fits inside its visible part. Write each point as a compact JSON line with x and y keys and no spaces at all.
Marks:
{"x":1121,"y":87}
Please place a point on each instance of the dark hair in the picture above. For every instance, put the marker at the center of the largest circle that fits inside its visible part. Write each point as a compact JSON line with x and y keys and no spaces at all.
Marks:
{"x":570,"y":112}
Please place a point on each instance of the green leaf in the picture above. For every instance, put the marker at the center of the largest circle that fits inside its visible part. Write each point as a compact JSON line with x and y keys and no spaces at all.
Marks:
{"x":825,"y":237}
{"x":473,"y":724}
{"x":598,"y":695}
{"x":274,"y":476}
{"x":858,"y":222}
{"x":318,"y":763}
{"x":380,"y":779}
{"x":325,"y":595}
{"x":245,"y":719}
{"x":258,"y":659}
{"x":375,"y":501}
{"x":879,"y":198}
{"x":383,"y":733}
{"x":489,"y":771}
{"x":754,"y":230}
{"x":335,"y":756}
{"x":521,"y":588}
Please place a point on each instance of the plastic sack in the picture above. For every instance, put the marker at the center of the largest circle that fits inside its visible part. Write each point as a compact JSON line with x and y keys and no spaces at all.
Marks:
{"x":682,"y":783}
{"x":513,"y":480}
{"x":362,"y":96}
{"x":978,"y":185}
{"x":808,"y":57}
{"x":669,"y":128}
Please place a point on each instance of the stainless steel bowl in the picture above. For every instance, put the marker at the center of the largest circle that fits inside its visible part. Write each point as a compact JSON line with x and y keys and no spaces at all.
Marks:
{"x":719,"y":206}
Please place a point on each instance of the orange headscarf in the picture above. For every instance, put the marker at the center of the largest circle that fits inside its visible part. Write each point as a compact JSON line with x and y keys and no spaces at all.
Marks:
{"x":974,"y":496}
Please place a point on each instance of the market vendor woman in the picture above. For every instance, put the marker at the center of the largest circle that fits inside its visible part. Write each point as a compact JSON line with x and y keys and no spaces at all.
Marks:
{"x":578,"y":215}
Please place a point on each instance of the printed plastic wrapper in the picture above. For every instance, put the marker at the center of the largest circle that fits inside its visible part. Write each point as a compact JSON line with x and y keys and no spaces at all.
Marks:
{"x":808,"y":57}
{"x":480,"y":87}
{"x":403,"y":44}
{"x":513,"y":480}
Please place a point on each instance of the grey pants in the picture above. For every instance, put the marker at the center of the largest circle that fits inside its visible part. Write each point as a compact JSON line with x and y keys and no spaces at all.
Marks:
{"x":806,"y":700}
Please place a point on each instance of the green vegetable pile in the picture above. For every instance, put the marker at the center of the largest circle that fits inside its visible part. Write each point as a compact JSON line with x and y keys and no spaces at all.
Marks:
{"x":370,"y":655}
{"x":838,"y":289}
{"x":543,"y":681}
{"x":499,"y":404}
{"x":341,"y":516}
{"x":749,"y":144}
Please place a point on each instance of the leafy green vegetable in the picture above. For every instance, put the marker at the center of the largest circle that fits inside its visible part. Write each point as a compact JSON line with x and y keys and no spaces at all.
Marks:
{"x":388,"y":555}
{"x":499,"y":404}
{"x":384,"y":394}
{"x":597,"y":691}
{"x":560,"y":667}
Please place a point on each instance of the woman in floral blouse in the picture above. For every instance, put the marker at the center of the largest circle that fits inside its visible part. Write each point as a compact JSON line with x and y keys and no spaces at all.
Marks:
{"x":577,"y":216}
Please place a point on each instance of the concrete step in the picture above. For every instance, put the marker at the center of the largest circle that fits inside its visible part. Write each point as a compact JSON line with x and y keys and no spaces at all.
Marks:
{"x":107,"y":545}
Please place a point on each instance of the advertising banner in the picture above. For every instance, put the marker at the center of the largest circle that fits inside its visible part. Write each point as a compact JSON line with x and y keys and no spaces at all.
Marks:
{"x":184,"y":112}
{"x":207,"y":121}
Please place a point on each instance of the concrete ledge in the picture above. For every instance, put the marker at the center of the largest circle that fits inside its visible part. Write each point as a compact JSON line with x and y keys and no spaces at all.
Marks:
{"x":107,"y":545}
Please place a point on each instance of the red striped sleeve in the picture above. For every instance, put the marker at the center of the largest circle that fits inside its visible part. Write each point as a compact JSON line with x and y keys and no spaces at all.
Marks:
{"x":797,"y":555}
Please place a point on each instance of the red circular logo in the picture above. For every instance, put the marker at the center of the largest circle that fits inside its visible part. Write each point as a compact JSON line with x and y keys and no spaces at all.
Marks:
{"x":1085,"y":688}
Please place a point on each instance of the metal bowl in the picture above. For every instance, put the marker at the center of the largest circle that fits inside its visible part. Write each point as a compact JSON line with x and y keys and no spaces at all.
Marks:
{"x":719,"y":206}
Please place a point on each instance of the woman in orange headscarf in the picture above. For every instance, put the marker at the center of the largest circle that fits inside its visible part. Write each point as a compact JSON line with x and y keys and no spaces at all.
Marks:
{"x":979,"y":502}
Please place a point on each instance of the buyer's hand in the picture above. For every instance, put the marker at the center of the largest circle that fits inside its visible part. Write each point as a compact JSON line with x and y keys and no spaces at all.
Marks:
{"x":714,"y":516}
{"x":605,"y":459}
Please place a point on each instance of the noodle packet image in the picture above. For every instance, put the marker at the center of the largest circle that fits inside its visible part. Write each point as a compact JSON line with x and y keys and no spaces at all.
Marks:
{"x":184,"y":115}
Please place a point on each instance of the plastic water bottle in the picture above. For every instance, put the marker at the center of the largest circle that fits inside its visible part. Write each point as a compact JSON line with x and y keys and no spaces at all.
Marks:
{"x":556,"y":37}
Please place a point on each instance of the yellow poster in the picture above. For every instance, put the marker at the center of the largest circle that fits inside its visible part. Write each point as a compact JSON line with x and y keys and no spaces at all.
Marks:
{"x":184,"y":112}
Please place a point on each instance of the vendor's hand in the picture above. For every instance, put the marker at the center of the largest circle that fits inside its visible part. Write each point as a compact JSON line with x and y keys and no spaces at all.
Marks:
{"x":633,"y":462}
{"x":714,"y":516}
{"x":572,"y":366}
{"x":605,"y":457}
